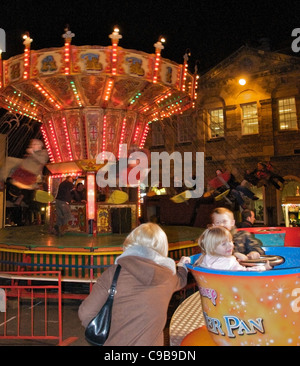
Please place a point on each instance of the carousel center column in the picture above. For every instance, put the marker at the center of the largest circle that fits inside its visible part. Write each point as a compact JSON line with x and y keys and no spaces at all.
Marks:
{"x":91,"y":203}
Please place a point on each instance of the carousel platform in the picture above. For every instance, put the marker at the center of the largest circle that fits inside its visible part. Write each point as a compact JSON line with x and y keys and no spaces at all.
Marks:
{"x":80,"y":257}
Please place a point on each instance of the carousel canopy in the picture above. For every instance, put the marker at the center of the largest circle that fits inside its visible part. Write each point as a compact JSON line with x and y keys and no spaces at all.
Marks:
{"x":90,"y":99}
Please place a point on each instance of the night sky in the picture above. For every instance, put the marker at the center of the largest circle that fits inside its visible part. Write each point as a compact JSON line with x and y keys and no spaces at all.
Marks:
{"x":212,"y":30}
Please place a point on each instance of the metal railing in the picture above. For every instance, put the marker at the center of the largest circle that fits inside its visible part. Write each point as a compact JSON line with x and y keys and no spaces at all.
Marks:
{"x":31,"y":306}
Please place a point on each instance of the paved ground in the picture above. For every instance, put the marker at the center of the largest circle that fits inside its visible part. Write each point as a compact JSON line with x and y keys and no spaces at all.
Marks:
{"x":73,"y":332}
{"x":71,"y":323}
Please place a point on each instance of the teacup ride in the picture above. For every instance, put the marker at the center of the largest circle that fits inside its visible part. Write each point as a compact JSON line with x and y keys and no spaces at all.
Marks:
{"x":276,"y":236}
{"x":249,"y":308}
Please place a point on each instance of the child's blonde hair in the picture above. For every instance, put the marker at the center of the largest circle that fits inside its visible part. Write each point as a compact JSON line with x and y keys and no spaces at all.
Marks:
{"x":148,"y":235}
{"x":222,"y":211}
{"x":212,"y":237}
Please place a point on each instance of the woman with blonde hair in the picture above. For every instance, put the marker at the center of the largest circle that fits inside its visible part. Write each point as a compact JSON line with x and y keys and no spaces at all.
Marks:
{"x":147,"y":280}
{"x":217,"y":247}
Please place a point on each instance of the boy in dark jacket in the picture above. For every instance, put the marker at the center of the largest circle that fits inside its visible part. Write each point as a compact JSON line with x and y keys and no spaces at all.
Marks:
{"x":245,"y":245}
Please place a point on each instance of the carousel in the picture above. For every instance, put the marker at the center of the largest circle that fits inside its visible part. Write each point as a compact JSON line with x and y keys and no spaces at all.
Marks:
{"x":89,"y":100}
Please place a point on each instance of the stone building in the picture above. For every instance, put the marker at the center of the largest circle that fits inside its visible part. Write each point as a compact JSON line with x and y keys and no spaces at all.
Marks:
{"x":247,"y":111}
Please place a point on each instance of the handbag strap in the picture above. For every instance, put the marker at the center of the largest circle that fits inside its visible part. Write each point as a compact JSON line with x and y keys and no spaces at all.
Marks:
{"x":112,"y":289}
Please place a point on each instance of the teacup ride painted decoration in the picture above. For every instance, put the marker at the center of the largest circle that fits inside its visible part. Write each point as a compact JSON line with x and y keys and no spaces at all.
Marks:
{"x":247,"y":308}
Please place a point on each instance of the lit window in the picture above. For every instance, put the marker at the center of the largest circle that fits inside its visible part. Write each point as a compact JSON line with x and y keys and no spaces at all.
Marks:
{"x":184,"y":130}
{"x":157,"y":134}
{"x":216,"y":123}
{"x":249,"y":119}
{"x":287,"y":114}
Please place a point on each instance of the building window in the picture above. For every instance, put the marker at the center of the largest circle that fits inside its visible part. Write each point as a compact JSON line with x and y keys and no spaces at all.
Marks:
{"x":216,"y":123}
{"x":249,"y":119}
{"x":287,"y":114}
{"x":157,"y":134}
{"x":184,"y":130}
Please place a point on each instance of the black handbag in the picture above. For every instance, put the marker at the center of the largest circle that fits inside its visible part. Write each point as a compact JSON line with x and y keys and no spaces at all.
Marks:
{"x":98,"y":328}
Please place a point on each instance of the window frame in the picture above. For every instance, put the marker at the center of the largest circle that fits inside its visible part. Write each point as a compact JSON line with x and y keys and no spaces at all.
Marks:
{"x":289,"y":128}
{"x":243,"y":119}
{"x":211,"y":137}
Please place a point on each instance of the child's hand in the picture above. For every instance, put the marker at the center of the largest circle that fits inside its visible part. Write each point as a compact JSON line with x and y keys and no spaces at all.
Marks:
{"x":267,"y":266}
{"x":253,"y":255}
{"x":240,"y":256}
{"x":185,"y":260}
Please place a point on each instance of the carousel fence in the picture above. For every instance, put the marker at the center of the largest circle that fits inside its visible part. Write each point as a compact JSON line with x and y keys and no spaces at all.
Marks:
{"x":81,"y":267}
{"x":30,"y":307}
{"x":77,"y":266}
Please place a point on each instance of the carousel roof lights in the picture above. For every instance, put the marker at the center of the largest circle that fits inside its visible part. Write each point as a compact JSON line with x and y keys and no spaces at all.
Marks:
{"x":144,"y":136}
{"x":185,"y":68}
{"x":104,"y":134}
{"x":27,"y":43}
{"x":67,"y":139}
{"x":67,"y":58}
{"x":145,"y":109}
{"x":115,"y":36}
{"x":47,"y":144}
{"x":136,"y":97}
{"x":54,"y":139}
{"x":27,"y":40}
{"x":68,"y":35}
{"x":88,"y":92}
{"x":196,"y":87}
{"x":137,"y":130}
{"x":64,"y":175}
{"x":19,"y":107}
{"x":122,"y":136}
{"x":163,"y":98}
{"x":159,"y":44}
{"x":170,"y":101}
{"x":47,"y":95}
{"x":75,"y":92}
{"x":108,"y":90}
{"x":158,"y":47}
